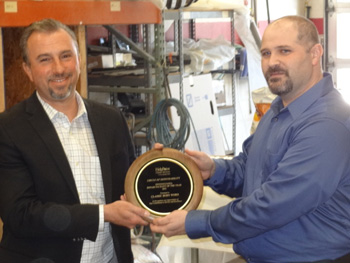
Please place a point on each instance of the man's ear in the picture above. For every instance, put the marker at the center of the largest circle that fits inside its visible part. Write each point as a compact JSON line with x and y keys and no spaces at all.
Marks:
{"x":316,"y":53}
{"x":28,"y":71}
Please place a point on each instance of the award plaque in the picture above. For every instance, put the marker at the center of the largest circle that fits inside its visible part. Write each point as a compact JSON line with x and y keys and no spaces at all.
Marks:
{"x":162,"y":181}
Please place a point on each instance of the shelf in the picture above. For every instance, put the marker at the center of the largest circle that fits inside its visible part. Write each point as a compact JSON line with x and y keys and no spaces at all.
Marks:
{"x":24,"y":12}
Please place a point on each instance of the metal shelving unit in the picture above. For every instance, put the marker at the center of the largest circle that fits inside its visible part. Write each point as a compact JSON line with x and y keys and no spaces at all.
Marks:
{"x":191,"y":16}
{"x":150,"y":83}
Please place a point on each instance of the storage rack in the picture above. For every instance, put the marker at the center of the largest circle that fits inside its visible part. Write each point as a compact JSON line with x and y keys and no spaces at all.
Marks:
{"x":121,"y":84}
{"x":148,"y":84}
{"x":191,"y":16}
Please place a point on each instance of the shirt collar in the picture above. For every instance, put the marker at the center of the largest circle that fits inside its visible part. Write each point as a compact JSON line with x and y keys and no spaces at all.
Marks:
{"x":300,"y":104}
{"x":52,"y":112}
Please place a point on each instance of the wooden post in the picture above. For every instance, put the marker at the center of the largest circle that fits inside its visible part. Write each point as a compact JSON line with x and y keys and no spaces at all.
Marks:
{"x":82,"y":84}
{"x":2,"y":75}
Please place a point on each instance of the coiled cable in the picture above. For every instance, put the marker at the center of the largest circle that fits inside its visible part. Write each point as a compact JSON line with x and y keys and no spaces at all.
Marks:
{"x":161,"y":127}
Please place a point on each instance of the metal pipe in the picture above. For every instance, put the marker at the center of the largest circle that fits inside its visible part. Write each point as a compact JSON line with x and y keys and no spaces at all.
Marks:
{"x":325,"y":44}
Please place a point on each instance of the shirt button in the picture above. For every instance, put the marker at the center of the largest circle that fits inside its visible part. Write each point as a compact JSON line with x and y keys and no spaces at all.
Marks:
{"x":275,"y":119}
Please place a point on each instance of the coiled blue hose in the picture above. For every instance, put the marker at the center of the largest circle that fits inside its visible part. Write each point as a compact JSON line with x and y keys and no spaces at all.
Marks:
{"x":161,"y":127}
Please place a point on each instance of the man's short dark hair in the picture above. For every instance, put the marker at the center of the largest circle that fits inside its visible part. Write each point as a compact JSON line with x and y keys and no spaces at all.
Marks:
{"x":44,"y":26}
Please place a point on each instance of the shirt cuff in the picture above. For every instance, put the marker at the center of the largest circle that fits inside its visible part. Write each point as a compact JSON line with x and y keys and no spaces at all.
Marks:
{"x":217,"y":176}
{"x":101,"y":224}
{"x":196,"y":223}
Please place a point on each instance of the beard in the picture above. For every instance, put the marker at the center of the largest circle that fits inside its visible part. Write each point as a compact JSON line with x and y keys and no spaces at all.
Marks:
{"x":61,"y":96}
{"x":278,"y":85}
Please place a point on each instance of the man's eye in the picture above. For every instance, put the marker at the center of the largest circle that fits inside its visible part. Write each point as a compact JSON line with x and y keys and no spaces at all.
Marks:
{"x":285,"y":51}
{"x":67,"y":56}
{"x":265,"y":53}
{"x":44,"y":59}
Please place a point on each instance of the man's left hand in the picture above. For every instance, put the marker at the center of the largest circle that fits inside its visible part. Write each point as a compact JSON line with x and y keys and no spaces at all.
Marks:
{"x":170,"y":225}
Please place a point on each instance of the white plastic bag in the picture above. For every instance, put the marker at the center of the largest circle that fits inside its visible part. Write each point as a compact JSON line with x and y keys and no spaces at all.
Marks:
{"x":208,"y":54}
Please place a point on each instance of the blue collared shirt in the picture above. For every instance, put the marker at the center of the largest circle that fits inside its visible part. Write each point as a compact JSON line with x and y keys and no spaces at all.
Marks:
{"x":291,"y":183}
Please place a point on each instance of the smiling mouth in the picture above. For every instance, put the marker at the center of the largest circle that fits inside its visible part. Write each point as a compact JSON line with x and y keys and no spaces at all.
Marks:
{"x":58,"y":80}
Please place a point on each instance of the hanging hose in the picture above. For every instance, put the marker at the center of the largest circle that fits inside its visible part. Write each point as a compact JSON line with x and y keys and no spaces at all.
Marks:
{"x":162,"y":129}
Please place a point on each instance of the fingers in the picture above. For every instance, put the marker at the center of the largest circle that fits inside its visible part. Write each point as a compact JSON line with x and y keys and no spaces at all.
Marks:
{"x":146,"y":216}
{"x":160,"y":221}
{"x":203,"y":161}
{"x":190,"y":152}
{"x":142,"y":216}
{"x":123,"y":197}
{"x":149,"y":218}
{"x":159,"y":229}
{"x":170,"y":225}
{"x":161,"y":225}
{"x":158,"y":146}
{"x":125,"y":214}
{"x":196,"y":154}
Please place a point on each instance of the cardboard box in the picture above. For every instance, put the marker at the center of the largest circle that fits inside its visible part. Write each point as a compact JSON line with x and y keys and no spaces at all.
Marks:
{"x":123,"y":59}
{"x":101,"y":61}
{"x":200,"y":101}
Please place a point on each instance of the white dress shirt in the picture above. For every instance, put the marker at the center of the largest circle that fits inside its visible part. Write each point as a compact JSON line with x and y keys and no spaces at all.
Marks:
{"x":80,"y":148}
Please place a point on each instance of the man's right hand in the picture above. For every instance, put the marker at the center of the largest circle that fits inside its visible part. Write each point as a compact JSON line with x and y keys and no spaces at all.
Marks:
{"x":125,"y":214}
{"x":205,"y":164}
{"x":203,"y":161}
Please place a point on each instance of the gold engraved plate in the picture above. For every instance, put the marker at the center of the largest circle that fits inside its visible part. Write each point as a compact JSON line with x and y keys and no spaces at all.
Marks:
{"x":162,"y":181}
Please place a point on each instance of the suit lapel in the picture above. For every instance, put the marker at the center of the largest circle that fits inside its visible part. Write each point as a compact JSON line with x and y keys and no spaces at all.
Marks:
{"x":45,"y":129}
{"x":101,"y":141}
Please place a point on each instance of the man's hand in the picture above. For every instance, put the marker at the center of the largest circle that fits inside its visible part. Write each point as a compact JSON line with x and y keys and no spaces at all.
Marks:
{"x":170,"y":225}
{"x":125,"y":214}
{"x":205,"y":164}
{"x":158,"y":146}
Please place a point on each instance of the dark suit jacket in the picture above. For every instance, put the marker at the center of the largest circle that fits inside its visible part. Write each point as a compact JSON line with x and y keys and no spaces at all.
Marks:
{"x":39,"y":203}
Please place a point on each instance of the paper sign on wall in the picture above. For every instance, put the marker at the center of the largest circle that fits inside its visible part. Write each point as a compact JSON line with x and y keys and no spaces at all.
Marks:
{"x":115,"y":6}
{"x":10,"y":7}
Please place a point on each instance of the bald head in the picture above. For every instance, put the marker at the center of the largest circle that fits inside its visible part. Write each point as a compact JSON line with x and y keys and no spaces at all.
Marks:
{"x":307,"y":31}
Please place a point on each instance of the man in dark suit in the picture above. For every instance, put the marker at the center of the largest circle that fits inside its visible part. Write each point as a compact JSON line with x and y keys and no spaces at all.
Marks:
{"x":63,"y":161}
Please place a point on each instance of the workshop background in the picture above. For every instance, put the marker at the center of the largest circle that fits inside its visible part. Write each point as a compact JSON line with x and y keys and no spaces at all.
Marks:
{"x":203,"y":53}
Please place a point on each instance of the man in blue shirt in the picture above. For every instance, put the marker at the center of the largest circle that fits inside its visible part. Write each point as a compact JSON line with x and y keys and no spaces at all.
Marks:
{"x":291,"y":183}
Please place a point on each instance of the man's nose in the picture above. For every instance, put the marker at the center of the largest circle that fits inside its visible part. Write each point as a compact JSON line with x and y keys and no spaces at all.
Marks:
{"x":58,"y":66}
{"x":274,"y":60}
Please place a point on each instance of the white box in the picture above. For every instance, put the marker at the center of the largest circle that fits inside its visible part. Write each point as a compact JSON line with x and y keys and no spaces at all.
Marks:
{"x":200,"y":101}
{"x":101,"y":61}
{"x":106,"y":61}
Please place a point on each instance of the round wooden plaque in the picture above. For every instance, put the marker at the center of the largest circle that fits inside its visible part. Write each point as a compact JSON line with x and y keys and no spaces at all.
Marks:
{"x":162,"y":181}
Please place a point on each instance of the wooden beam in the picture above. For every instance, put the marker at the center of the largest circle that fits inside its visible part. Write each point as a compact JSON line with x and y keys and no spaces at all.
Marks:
{"x":2,"y":75}
{"x":80,"y":32}
{"x":72,"y":12}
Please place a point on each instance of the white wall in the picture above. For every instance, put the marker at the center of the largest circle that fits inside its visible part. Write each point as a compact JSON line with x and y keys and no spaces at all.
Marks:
{"x":279,"y":8}
{"x":317,"y":8}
